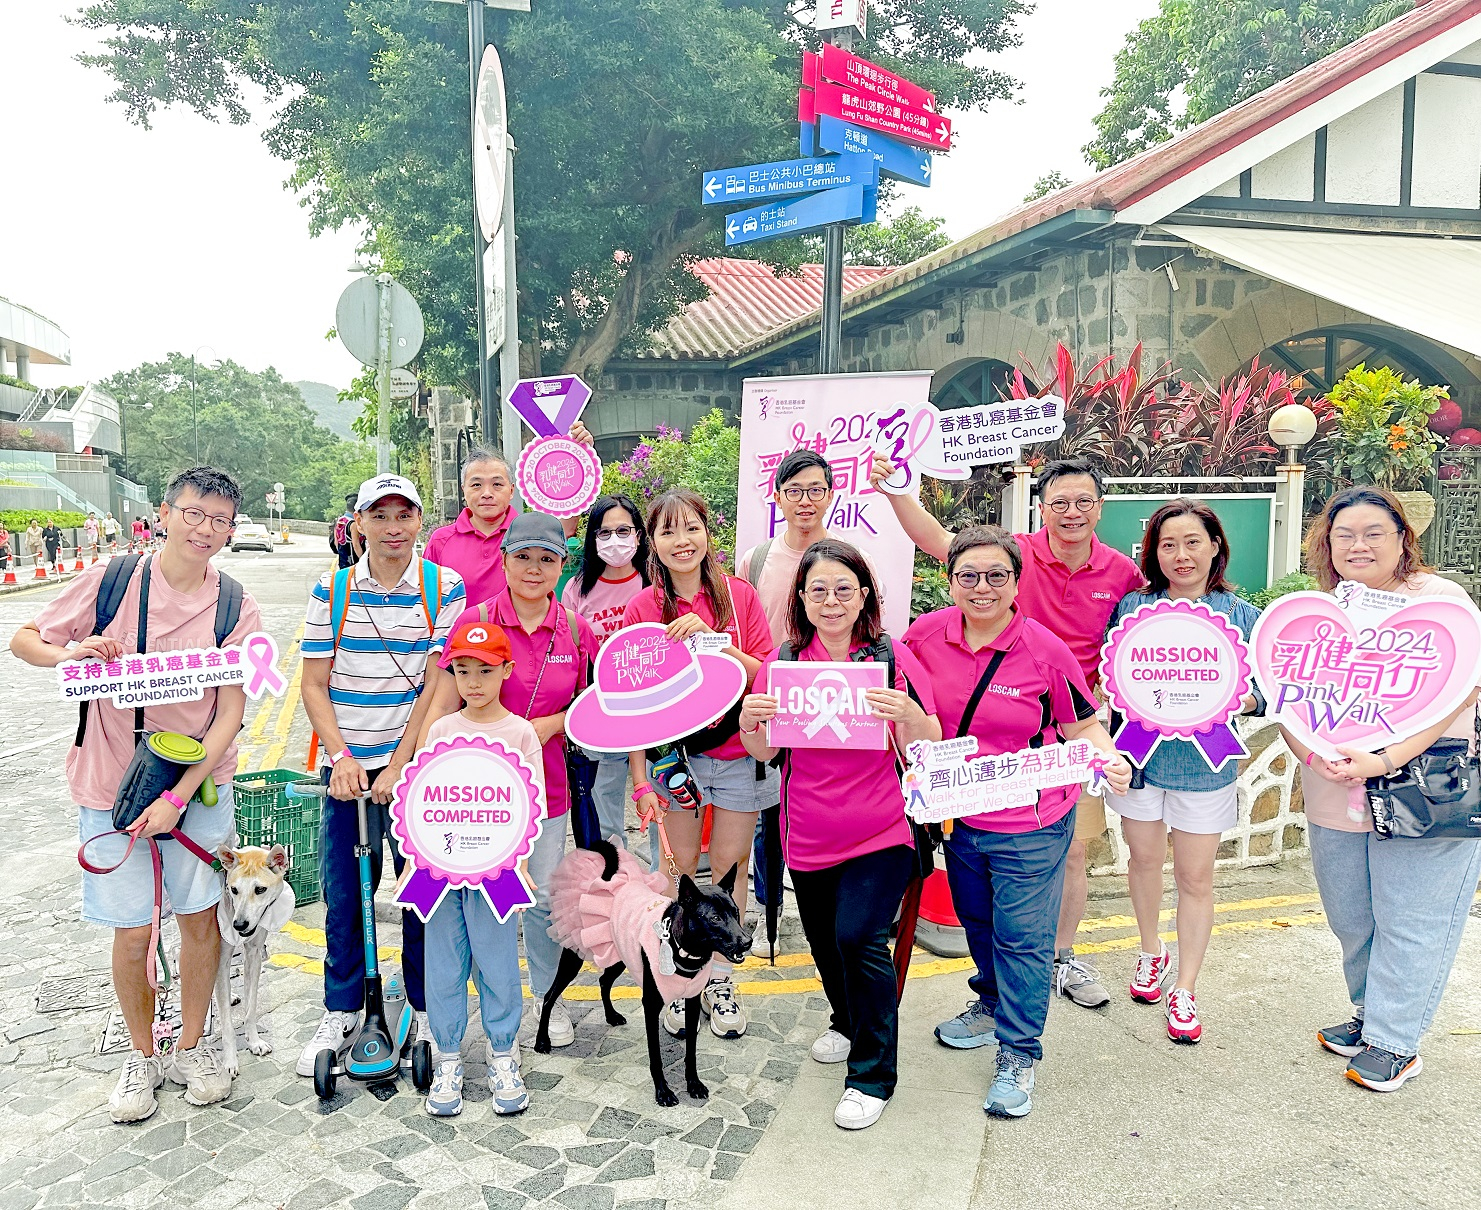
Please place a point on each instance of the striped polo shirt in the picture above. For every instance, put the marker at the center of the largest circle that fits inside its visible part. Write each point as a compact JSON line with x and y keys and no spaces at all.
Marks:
{"x":382,"y":654}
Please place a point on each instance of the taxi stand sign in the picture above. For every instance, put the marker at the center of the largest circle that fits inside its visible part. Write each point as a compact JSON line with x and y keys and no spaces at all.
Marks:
{"x":786,"y":178}
{"x":851,"y":204}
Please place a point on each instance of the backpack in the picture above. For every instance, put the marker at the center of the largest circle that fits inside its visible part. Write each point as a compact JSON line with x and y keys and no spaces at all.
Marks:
{"x":111,"y":591}
{"x":757,"y":563}
{"x":340,"y":594}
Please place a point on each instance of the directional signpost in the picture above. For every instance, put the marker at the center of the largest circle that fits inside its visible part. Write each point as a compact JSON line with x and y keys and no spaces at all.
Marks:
{"x":777,"y":219}
{"x":898,"y":160}
{"x":788,"y":178}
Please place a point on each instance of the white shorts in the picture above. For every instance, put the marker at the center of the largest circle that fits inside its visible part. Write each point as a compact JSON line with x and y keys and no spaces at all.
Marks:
{"x":1197,"y":811}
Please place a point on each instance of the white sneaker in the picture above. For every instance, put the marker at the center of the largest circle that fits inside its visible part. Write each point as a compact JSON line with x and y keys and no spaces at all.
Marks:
{"x":672,"y":1016}
{"x":727,"y":1018}
{"x":133,"y":1098}
{"x":858,"y":1110}
{"x":199,"y":1069}
{"x":831,"y":1047}
{"x":505,"y":1082}
{"x":562,"y":1032}
{"x":334,"y":1028}
{"x":445,"y":1098}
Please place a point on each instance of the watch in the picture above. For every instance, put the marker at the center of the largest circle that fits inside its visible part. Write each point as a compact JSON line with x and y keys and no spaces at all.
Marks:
{"x":1388,"y":765}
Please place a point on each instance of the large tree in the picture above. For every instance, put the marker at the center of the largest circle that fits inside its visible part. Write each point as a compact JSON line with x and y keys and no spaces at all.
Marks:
{"x":616,"y":106}
{"x":1196,"y":58}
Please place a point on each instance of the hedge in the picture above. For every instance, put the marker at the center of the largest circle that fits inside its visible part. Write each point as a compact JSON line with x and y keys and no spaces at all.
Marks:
{"x":17,"y":519}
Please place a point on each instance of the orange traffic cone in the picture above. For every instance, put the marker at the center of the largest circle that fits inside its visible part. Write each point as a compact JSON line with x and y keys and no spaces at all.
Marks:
{"x":95,"y":554}
{"x":9,"y":572}
{"x":40,"y":571}
{"x":78,"y":565}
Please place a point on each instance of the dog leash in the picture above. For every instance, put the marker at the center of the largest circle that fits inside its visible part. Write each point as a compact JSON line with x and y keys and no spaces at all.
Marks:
{"x":663,"y":841}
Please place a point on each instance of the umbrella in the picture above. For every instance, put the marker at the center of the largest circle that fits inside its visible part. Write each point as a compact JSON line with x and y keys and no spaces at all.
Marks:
{"x":771,"y":867}
{"x":905,"y":932}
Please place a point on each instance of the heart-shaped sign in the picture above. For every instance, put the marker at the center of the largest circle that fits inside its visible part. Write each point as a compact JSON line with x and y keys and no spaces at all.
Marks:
{"x":1334,"y":680}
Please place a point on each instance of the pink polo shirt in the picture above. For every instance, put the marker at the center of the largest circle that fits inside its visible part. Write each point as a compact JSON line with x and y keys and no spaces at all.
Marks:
{"x":531,"y":693}
{"x":1075,"y":605}
{"x":748,"y":630}
{"x":838,"y":804}
{"x":605,"y":604}
{"x":1037,"y":688}
{"x":474,"y":556}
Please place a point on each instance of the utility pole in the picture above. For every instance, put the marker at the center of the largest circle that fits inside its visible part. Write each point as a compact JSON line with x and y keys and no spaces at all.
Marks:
{"x":383,"y":374}
{"x":830,"y":342}
{"x":486,"y":392}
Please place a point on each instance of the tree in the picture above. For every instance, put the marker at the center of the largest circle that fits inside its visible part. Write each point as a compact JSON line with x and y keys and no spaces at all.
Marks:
{"x":909,"y":236}
{"x":616,"y":105}
{"x":1196,"y":58}
{"x":1050,"y":182}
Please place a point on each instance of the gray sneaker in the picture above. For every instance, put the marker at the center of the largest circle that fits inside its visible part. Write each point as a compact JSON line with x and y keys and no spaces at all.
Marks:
{"x":1079,"y":981}
{"x":1011,"y":1094}
{"x":969,"y":1029}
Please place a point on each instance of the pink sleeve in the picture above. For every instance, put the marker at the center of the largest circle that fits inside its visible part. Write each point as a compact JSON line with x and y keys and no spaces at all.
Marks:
{"x":909,"y":669}
{"x":750,"y":619}
{"x":72,"y":615}
{"x":249,"y":622}
{"x":433,"y":549}
{"x":642,"y":608}
{"x":1070,"y":698}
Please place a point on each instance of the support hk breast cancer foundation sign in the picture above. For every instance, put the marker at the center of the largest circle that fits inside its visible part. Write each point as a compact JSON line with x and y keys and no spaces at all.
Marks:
{"x":823,"y":705}
{"x":160,"y":677}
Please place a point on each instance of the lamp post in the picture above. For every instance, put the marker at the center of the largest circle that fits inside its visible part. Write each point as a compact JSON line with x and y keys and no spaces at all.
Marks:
{"x":123,"y":423}
{"x":1291,"y":427}
{"x":194,"y":422}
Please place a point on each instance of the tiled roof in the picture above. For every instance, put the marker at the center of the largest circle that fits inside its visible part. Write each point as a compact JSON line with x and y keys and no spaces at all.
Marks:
{"x":747,"y":299}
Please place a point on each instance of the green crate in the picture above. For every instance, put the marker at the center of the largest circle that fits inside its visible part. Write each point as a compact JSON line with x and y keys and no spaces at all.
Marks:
{"x":267,"y":816}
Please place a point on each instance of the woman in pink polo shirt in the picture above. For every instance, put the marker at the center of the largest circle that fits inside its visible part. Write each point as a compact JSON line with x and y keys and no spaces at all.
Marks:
{"x":1005,"y":679}
{"x":692,"y":595}
{"x":844,"y":831}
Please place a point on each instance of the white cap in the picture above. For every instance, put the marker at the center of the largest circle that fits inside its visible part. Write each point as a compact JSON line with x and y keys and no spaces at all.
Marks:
{"x":374,"y":490}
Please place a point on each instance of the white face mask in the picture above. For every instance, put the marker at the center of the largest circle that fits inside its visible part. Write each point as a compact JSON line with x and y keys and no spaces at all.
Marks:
{"x":617,"y":552}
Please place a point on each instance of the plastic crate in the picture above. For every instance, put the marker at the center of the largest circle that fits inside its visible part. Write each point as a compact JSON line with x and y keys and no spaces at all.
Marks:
{"x":267,"y":816}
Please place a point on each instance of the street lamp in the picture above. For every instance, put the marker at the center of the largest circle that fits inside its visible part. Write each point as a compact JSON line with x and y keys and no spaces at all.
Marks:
{"x":123,"y":423}
{"x":1291,"y":427}
{"x":194,"y":423}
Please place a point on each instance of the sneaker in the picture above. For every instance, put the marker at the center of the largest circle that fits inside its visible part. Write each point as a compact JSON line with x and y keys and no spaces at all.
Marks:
{"x":505,"y":1082}
{"x":1010,"y":1094}
{"x":831,"y":1047}
{"x":672,"y":1017}
{"x":727,"y":1018}
{"x":1382,"y":1070}
{"x":858,"y":1110}
{"x":334,"y":1028}
{"x":562,"y":1032}
{"x":1182,"y":1016}
{"x":445,"y":1100}
{"x":1345,"y":1039}
{"x":972,"y":1027}
{"x":133,"y":1098}
{"x":1151,"y":973}
{"x":199,"y":1069}
{"x":1079,"y":981}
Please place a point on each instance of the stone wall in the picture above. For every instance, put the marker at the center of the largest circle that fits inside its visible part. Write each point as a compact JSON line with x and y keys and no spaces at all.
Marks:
{"x":448,"y":414}
{"x":633,"y":398}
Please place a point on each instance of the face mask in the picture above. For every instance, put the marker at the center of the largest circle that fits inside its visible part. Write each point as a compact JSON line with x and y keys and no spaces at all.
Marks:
{"x":617,"y":552}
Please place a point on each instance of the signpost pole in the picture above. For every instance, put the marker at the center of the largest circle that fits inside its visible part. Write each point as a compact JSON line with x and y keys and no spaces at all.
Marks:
{"x":485,"y":386}
{"x":830,"y":342}
{"x":383,"y":376}
{"x":509,"y":353}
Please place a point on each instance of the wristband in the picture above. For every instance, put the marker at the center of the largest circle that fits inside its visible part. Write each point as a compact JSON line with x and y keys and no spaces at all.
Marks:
{"x":1388,"y":765}
{"x":641,"y":789}
{"x":173,"y":799}
{"x":1309,"y":755}
{"x":339,"y":756}
{"x":750,"y":730}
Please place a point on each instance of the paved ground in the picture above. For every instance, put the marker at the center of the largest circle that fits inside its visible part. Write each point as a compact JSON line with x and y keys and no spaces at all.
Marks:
{"x":1254,"y":1117}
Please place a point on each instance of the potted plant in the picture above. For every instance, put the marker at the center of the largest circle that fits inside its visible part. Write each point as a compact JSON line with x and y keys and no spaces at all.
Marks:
{"x":1383,"y":435}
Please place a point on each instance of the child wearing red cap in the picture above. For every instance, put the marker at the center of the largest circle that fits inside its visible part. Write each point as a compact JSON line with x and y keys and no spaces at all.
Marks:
{"x":463,"y":930}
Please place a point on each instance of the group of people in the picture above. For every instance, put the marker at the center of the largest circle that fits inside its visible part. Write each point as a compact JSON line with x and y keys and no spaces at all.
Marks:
{"x":44,"y":543}
{"x":473,"y":634}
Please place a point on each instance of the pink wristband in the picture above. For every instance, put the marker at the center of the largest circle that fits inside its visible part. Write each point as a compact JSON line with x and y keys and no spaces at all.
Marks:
{"x":173,"y":799}
{"x":1309,"y":755}
{"x":339,"y":756}
{"x":641,"y":789}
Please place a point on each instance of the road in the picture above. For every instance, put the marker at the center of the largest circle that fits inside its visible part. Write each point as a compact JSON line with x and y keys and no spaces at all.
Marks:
{"x":1256,"y":1116}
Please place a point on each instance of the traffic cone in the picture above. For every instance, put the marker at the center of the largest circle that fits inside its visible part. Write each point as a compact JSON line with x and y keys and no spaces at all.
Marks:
{"x":78,"y":565}
{"x":95,"y":554}
{"x":9,"y":572}
{"x":40,"y":572}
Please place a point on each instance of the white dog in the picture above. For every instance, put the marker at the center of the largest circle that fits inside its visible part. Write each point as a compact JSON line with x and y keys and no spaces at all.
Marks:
{"x":257,"y":901}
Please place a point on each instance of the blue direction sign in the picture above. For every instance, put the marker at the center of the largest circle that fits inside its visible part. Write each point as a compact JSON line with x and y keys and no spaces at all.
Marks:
{"x":788,"y":178}
{"x":896,"y":159}
{"x":845,"y":205}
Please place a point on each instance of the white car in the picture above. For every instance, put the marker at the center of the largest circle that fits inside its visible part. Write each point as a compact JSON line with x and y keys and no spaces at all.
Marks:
{"x":249,"y":535}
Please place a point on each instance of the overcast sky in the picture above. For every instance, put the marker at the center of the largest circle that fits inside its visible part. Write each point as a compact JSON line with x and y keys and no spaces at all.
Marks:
{"x":138,"y":242}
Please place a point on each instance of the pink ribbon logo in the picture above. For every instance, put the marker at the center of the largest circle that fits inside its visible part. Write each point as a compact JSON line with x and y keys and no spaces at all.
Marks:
{"x":262,"y":654}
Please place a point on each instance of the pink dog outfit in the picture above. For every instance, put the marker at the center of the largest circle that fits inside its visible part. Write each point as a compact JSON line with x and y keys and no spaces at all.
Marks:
{"x":620,"y":920}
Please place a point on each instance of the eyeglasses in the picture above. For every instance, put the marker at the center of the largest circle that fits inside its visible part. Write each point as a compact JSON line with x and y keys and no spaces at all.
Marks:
{"x":842,"y":593}
{"x":996,"y":578}
{"x":194,"y":516}
{"x":622,"y":531}
{"x":1082,"y":504}
{"x":814,"y":493}
{"x":1371,"y":537}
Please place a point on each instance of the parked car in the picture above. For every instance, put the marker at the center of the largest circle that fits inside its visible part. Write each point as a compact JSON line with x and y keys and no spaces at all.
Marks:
{"x":249,"y":535}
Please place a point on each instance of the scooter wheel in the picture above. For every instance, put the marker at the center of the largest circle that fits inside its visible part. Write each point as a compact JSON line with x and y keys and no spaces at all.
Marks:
{"x":421,"y":1065}
{"x":324,"y":1077}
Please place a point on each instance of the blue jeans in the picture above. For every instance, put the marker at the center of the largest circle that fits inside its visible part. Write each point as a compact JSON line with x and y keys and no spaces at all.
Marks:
{"x":463,"y":932}
{"x":1006,"y":887}
{"x":339,"y":873}
{"x":609,"y":793}
{"x":542,"y":954}
{"x":1398,"y":907}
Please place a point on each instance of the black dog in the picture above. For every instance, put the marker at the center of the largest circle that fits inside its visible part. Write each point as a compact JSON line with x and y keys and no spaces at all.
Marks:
{"x":607,"y":909}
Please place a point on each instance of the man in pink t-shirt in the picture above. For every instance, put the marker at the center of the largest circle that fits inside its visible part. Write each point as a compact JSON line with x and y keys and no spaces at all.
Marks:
{"x":200,"y":507}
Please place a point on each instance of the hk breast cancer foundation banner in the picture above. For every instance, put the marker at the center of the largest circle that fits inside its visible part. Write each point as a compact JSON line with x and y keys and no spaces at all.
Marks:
{"x":840,"y":416}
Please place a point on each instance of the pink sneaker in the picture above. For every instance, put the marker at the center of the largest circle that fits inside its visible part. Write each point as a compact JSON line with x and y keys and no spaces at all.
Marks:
{"x":1182,"y":1017}
{"x":1150,"y":974}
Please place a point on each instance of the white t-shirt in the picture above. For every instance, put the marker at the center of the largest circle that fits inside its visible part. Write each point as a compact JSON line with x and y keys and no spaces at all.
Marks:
{"x":778,"y":574}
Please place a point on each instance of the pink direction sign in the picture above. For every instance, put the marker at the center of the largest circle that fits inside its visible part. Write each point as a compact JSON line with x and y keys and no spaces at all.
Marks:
{"x":1360,"y":679}
{"x":466,"y":813}
{"x":844,"y":67}
{"x":821,"y":705}
{"x":907,"y":122}
{"x":1177,"y":670}
{"x":550,"y":406}
{"x":559,"y":476}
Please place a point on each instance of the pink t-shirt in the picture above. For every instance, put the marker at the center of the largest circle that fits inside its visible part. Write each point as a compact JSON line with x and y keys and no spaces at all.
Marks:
{"x":605,"y":604}
{"x":838,"y":804}
{"x":177,"y":621}
{"x":474,"y":556}
{"x":541,"y":685}
{"x":1037,"y":688}
{"x":776,"y":582}
{"x":747,"y":628}
{"x":511,"y":730}
{"x":1327,"y":802}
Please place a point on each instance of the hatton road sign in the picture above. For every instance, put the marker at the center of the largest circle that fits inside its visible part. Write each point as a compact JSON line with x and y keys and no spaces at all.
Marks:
{"x":906,"y":122}
{"x":772,"y":221}
{"x":896,"y":159}
{"x":786,"y":178}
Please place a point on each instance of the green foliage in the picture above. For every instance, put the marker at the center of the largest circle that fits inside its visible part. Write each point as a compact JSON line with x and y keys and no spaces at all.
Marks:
{"x":1196,"y":58}
{"x":907,"y":237}
{"x":24,"y":437}
{"x":17,"y":519}
{"x":929,"y":589}
{"x":1050,"y":182}
{"x":1296,"y":581}
{"x":411,"y":437}
{"x":1383,"y":432}
{"x":11,"y":381}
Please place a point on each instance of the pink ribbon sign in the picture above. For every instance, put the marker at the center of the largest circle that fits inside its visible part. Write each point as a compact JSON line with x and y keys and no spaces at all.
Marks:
{"x":1177,"y":670}
{"x":559,"y":476}
{"x":466,"y":812}
{"x":1364,"y":681}
{"x":822,"y":705}
{"x":159,"y":677}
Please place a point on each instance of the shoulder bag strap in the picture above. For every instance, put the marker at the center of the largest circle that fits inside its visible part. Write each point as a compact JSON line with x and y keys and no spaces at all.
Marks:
{"x":976,"y":699}
{"x":143,"y":639}
{"x":228,"y":607}
{"x":758,"y":562}
{"x":112,"y":588}
{"x":431,"y":604}
{"x":339,"y":602}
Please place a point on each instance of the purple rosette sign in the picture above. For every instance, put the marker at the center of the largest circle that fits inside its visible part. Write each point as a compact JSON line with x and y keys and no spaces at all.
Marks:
{"x":1177,"y":670}
{"x":466,"y":813}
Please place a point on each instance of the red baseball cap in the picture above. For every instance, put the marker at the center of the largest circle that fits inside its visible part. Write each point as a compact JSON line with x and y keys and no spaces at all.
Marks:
{"x":480,"y":641}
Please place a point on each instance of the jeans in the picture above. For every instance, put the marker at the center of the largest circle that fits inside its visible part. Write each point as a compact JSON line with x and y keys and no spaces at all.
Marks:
{"x":339,"y":873}
{"x":1398,"y":907}
{"x":542,"y":953}
{"x":464,"y":935}
{"x":609,"y":793}
{"x":846,"y":912}
{"x":1007,"y":887}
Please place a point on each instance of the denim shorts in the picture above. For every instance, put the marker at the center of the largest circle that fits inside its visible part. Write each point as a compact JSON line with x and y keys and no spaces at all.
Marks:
{"x":731,"y":785}
{"x":125,"y":898}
